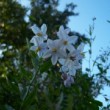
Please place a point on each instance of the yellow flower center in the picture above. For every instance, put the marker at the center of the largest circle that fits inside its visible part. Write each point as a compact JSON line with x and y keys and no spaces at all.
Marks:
{"x":39,"y":34}
{"x":54,"y":50}
{"x":65,"y":42}
{"x":38,"y":49}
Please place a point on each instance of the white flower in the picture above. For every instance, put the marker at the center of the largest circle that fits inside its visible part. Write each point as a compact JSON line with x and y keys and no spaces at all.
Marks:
{"x":71,"y":58}
{"x":81,"y":47}
{"x":39,"y":46}
{"x":68,"y":71}
{"x":72,"y":62}
{"x":68,"y":79}
{"x":34,"y":40}
{"x":40,"y":33}
{"x":67,"y":40}
{"x":71,"y":70}
{"x":54,"y":50}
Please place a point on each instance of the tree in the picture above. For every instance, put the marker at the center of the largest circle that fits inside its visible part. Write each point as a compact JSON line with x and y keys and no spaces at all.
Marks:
{"x":13,"y":33}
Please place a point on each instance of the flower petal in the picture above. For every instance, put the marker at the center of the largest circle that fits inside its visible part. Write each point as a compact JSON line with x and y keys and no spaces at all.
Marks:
{"x":70,"y":47}
{"x":62,"y":32}
{"x":35,"y":29}
{"x":40,"y":54}
{"x":72,"y":72}
{"x":54,"y":59}
{"x":33,"y":48}
{"x":61,"y":28}
{"x":59,"y":34}
{"x":44,"y":28}
{"x":58,"y":43}
{"x":62,"y":53}
{"x":72,"y":39}
{"x":47,"y":54}
{"x":81,"y":47}
{"x":34,"y":40}
{"x":50,"y":43}
{"x":67,"y":30}
{"x":62,"y":61}
{"x":43,"y":45}
{"x":45,"y":37}
{"x":64,"y":69}
{"x":77,"y":65}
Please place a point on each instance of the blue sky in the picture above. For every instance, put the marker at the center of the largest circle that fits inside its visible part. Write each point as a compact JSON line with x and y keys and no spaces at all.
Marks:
{"x":88,"y":9}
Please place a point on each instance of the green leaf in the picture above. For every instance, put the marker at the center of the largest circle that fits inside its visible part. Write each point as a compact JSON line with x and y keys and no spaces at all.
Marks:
{"x":98,"y":103}
{"x":45,"y":66}
{"x":30,"y":99}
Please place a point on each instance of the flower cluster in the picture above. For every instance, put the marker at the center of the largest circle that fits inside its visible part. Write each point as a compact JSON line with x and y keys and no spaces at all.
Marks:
{"x":61,"y":50}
